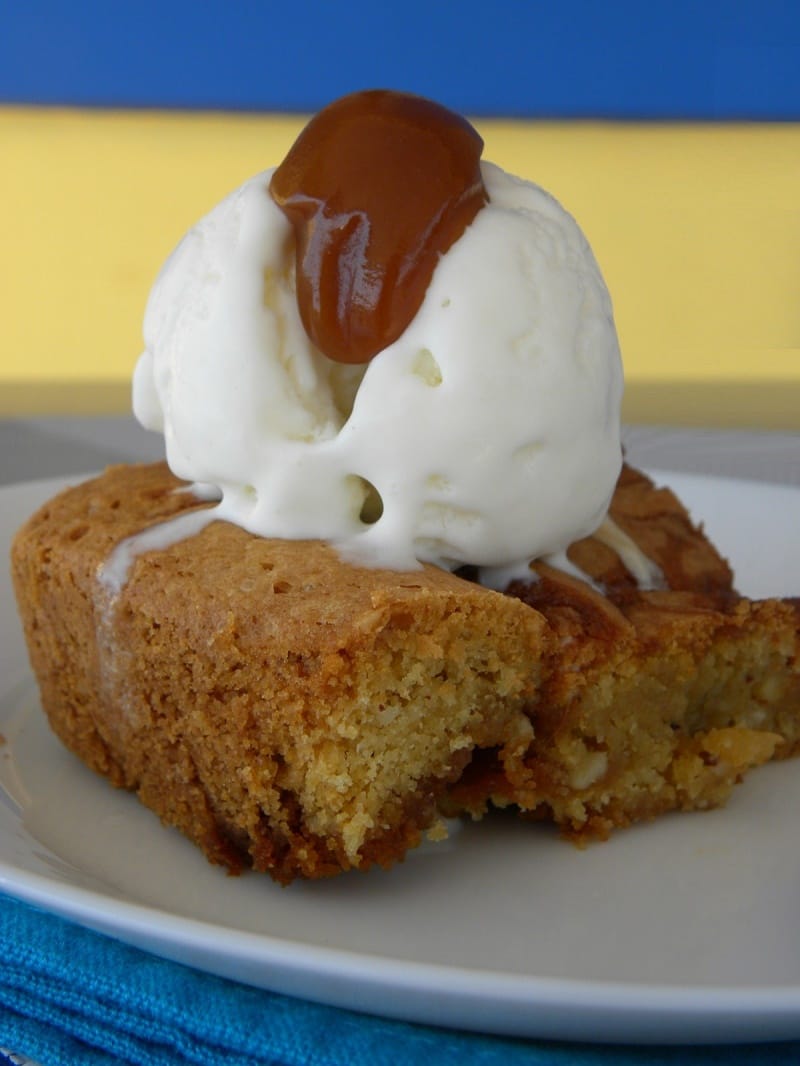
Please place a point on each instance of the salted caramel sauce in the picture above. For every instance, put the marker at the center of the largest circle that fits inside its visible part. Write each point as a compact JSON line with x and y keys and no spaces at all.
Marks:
{"x":377,"y":187}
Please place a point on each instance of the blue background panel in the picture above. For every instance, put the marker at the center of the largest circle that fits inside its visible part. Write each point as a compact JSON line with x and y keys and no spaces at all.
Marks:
{"x":565,"y":58}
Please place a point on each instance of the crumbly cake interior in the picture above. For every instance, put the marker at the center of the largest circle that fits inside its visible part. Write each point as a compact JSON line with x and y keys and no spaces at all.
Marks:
{"x":651,"y":700}
{"x":303,"y":716}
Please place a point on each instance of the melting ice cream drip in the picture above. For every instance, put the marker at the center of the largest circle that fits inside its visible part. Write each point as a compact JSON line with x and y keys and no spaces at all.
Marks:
{"x":113,"y":573}
{"x":646,"y":573}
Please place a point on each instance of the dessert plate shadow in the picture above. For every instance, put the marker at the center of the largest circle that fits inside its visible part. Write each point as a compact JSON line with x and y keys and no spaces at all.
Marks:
{"x":680,"y":931}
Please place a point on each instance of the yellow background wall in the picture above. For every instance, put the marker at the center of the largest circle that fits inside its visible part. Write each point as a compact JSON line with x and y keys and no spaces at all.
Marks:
{"x":697,"y":230}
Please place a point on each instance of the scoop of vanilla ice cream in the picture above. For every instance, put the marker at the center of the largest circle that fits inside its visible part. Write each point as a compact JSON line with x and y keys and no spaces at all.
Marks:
{"x":488,"y":433}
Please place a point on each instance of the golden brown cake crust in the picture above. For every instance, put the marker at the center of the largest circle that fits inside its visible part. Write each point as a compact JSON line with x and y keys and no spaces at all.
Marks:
{"x":295,"y":713}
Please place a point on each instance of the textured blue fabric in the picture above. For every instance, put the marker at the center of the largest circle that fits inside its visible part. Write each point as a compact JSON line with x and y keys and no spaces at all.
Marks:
{"x":70,"y":997}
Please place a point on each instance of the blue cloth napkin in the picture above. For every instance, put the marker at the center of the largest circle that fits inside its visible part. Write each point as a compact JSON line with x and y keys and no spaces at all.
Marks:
{"x":69,"y":996}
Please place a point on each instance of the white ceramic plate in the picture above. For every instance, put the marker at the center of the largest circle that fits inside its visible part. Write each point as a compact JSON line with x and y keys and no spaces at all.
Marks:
{"x":684,"y":930}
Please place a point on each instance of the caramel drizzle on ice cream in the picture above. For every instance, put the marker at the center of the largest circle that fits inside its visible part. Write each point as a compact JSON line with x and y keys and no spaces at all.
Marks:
{"x":377,"y":186}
